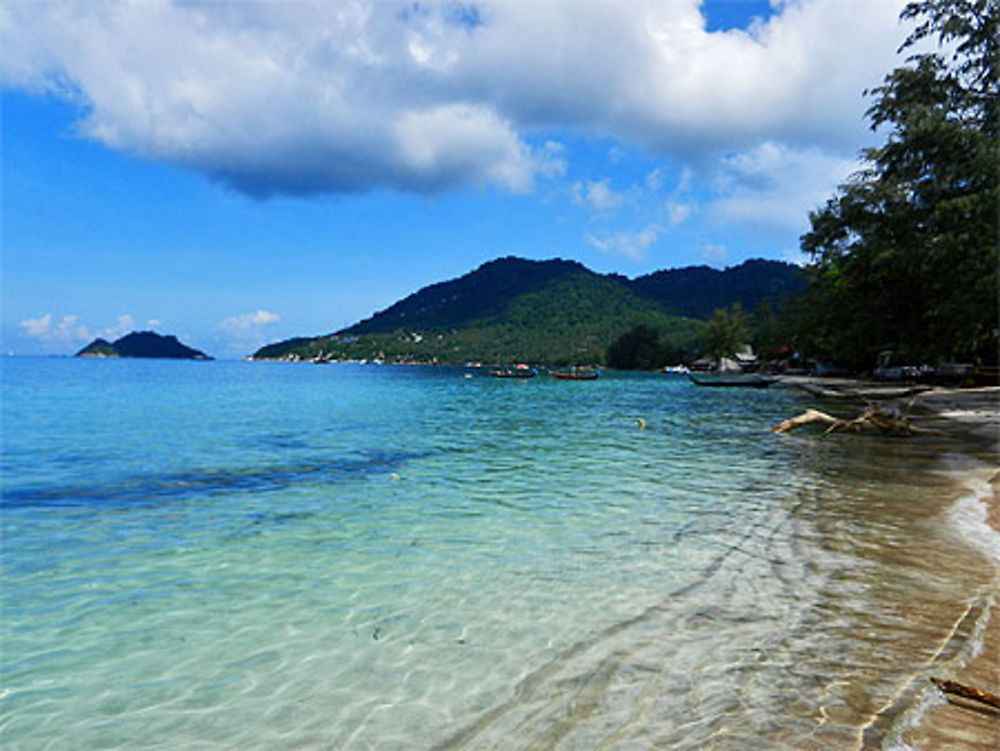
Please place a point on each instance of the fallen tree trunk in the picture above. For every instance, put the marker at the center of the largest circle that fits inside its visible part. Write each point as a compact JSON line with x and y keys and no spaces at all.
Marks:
{"x":809,"y":416}
{"x":872,"y":418}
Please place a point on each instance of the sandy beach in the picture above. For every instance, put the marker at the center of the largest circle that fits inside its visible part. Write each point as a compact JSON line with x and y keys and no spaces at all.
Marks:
{"x":942,"y":722}
{"x":954,"y":723}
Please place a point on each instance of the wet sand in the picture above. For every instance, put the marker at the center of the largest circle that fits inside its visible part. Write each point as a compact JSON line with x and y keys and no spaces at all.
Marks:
{"x":942,"y":722}
{"x":952,"y":722}
{"x":956,"y":723}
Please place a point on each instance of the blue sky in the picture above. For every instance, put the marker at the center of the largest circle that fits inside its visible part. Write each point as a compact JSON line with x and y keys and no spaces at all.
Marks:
{"x":241,"y":173}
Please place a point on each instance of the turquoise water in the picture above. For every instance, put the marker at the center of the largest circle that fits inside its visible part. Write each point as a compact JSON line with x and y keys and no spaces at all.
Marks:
{"x":268,"y":555}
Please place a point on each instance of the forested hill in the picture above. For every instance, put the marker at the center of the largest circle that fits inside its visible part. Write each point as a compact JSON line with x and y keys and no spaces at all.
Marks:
{"x":553,"y":311}
{"x":691,"y":292}
{"x":480,"y":294}
{"x":696,"y":291}
{"x":146,"y":344}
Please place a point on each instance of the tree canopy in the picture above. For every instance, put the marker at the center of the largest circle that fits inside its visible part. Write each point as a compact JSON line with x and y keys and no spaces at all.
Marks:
{"x":642,"y":347}
{"x":726,"y":332}
{"x":906,"y":251}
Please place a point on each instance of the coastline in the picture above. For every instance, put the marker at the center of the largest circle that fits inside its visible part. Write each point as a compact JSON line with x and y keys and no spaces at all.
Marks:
{"x":813,"y":618}
{"x":930,"y":719}
{"x":950,"y":722}
{"x":940,"y":721}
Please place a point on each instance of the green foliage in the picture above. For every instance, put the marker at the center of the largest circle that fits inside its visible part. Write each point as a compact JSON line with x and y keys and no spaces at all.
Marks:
{"x":642,"y":347}
{"x":480,"y":295}
{"x":142,"y":344}
{"x":696,"y":291}
{"x":556,"y":312}
{"x":770,"y":333}
{"x":301,"y":346}
{"x":98,"y":348}
{"x":726,"y":332}
{"x":907,"y":251}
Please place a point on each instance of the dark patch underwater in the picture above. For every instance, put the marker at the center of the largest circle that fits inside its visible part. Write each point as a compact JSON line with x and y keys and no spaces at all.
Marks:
{"x":156,"y":489}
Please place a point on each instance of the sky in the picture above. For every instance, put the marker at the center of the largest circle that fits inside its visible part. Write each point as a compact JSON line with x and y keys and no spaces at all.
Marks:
{"x":237,"y":173}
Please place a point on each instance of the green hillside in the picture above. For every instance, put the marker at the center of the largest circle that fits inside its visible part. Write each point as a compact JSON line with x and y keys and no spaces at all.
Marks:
{"x":481,"y":295}
{"x":143,"y":344}
{"x":696,"y":291}
{"x":511,"y":310}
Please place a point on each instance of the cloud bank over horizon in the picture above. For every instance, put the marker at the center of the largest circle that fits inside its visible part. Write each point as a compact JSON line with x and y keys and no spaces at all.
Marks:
{"x":310,"y":97}
{"x":70,"y":330}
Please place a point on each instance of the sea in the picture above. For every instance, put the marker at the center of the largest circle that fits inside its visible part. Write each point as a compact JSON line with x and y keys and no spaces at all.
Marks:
{"x":254,"y":555}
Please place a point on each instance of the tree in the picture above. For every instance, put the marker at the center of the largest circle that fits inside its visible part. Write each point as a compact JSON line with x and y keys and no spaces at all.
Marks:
{"x":641,"y":348}
{"x":726,"y":332}
{"x":906,"y":252}
{"x":771,"y":332}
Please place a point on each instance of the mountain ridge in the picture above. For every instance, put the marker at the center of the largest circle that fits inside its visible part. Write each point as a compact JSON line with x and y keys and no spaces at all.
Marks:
{"x":696,"y":291}
{"x":457,"y":307}
{"x":554,"y":310}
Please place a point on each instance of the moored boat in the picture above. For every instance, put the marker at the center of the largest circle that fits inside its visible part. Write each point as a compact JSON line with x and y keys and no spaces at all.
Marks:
{"x":581,"y":375}
{"x":745,"y":380}
{"x":518,"y":371}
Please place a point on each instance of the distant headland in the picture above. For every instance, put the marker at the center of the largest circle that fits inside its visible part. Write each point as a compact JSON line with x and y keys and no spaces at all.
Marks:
{"x":142,"y":344}
{"x":555,"y":311}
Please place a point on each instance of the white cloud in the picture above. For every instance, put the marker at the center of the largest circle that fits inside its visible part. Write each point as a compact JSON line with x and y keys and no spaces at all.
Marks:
{"x":654,"y":180}
{"x":37,"y":327}
{"x":247,"y":322}
{"x":314,"y":96}
{"x":122,"y":326}
{"x":684,"y":181}
{"x":714,"y":254}
{"x":775,"y":185}
{"x":67,"y":331}
{"x":550,"y":160}
{"x":457,"y":143}
{"x":246,"y":332}
{"x":679,"y":205}
{"x":598,"y":196}
{"x":154,"y":322}
{"x":677,"y":211}
{"x":794,"y":255}
{"x":632,"y":245}
{"x":70,"y":330}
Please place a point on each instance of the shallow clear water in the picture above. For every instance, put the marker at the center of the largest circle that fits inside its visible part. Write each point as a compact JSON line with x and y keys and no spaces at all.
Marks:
{"x":265,"y":555}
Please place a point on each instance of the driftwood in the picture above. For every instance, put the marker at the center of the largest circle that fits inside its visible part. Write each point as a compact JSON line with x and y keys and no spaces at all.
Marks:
{"x":809,"y":416}
{"x":967,"y":692}
{"x":872,"y":418}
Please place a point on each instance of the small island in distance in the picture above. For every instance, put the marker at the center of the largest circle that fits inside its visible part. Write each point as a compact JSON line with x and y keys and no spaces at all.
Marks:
{"x":142,"y":344}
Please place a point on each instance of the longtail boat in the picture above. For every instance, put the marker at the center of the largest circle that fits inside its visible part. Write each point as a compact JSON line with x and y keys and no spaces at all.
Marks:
{"x":744,"y":380}
{"x":583,"y":375}
{"x":518,"y":371}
